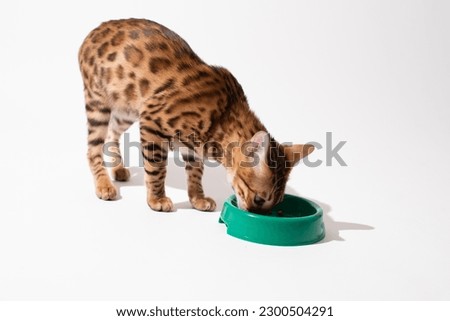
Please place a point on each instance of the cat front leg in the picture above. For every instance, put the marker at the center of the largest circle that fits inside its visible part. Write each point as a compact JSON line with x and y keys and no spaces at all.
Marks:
{"x":194,"y":172}
{"x":154,"y":152}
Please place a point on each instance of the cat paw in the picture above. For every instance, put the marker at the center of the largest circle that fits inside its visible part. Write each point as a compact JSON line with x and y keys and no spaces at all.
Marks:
{"x":163,"y":204}
{"x":121,"y":174}
{"x":105,"y":190}
{"x":205,"y":204}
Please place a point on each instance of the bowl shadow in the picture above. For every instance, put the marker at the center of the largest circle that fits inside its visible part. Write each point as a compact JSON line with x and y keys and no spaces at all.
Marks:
{"x":332,"y":227}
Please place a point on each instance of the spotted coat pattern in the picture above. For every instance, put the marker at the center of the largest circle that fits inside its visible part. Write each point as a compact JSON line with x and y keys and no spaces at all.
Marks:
{"x":138,"y":70}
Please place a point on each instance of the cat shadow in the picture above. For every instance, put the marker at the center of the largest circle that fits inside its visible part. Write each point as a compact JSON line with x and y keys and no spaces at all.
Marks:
{"x":214,"y":182}
{"x":216,"y":186}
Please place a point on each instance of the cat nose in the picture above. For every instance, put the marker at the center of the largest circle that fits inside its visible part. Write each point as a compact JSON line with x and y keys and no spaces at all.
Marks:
{"x":259,"y":201}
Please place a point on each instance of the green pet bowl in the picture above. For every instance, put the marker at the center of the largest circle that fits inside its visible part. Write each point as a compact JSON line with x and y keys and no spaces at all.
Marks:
{"x":295,"y":221}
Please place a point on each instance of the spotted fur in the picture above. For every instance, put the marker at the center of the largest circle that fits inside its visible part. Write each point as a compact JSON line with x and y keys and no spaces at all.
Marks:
{"x":138,"y":70}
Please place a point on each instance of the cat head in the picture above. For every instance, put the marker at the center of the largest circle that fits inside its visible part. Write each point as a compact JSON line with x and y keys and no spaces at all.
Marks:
{"x":261,"y":169}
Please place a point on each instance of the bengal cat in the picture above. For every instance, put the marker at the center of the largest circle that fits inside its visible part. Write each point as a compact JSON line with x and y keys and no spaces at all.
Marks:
{"x":137,"y":69}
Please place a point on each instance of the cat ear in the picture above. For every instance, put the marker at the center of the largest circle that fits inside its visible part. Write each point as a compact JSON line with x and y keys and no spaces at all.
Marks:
{"x":294,"y":153}
{"x":261,"y":142}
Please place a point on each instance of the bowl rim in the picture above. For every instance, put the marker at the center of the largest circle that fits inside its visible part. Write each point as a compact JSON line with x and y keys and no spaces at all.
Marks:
{"x":317,"y":208}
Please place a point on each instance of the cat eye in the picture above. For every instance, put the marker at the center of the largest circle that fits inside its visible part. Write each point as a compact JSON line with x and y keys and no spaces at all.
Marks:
{"x":259,"y":200}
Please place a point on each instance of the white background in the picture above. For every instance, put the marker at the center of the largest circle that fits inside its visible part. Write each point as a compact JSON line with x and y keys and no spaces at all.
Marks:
{"x":374,"y":73}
